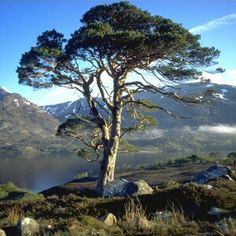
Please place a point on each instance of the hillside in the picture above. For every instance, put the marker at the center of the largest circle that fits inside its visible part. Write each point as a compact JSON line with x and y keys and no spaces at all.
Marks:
{"x":25,"y":128}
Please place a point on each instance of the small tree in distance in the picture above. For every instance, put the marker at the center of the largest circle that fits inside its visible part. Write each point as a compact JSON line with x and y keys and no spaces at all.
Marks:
{"x":120,"y":45}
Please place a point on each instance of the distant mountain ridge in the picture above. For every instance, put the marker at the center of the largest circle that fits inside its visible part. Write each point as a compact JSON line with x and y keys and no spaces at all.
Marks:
{"x":221,"y":107}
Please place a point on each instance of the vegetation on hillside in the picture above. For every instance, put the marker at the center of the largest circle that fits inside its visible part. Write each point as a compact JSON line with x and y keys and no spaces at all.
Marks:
{"x":176,"y":210}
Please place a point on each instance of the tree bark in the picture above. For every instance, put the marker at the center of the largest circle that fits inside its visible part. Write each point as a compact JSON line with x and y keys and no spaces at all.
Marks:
{"x":107,"y":167}
{"x":108,"y":163}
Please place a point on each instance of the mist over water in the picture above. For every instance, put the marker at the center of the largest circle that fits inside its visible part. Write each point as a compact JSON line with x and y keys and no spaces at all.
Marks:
{"x":42,"y":173}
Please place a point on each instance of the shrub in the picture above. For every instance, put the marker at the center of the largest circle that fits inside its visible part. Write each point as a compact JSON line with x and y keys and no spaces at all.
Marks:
{"x":173,"y":184}
{"x":81,"y":175}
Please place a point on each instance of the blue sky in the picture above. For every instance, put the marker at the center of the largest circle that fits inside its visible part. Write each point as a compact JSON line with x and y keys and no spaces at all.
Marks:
{"x":21,"y":21}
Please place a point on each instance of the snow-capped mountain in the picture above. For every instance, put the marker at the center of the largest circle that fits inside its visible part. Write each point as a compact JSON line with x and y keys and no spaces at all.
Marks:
{"x":62,"y":111}
{"x":221,"y":107}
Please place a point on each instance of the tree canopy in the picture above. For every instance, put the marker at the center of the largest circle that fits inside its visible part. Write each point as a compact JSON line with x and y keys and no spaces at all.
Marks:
{"x":123,"y":35}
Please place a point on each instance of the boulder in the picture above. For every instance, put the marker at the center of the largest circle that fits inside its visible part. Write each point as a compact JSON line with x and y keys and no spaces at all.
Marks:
{"x":212,"y":173}
{"x":109,"y":219}
{"x":28,"y":227}
{"x":116,"y":188}
{"x":142,"y":188}
{"x":123,"y":188}
{"x":215,"y":211}
{"x":2,"y":232}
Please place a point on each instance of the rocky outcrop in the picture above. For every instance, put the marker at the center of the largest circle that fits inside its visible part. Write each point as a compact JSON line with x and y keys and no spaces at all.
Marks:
{"x":212,"y":173}
{"x":123,"y":188}
{"x":28,"y":227}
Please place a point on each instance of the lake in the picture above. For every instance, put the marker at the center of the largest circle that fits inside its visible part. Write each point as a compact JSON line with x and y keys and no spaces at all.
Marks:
{"x":42,"y":173}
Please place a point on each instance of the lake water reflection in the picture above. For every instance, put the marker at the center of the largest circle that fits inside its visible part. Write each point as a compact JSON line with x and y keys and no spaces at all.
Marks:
{"x":42,"y":173}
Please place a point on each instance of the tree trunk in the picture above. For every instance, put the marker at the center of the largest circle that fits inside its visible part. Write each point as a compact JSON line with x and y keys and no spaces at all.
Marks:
{"x":107,"y":166}
{"x":108,"y":163}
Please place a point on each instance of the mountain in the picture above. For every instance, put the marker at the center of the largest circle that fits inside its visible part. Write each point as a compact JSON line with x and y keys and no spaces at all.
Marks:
{"x":62,"y":111}
{"x":210,"y":126}
{"x":219,"y":108}
{"x":25,"y":128}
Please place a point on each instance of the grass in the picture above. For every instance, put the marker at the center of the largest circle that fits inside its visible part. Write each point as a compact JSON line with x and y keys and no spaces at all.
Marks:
{"x":137,"y":222}
{"x":9,"y":191}
{"x":7,"y":188}
{"x":209,"y":159}
{"x":135,"y":219}
{"x":81,"y":175}
{"x":14,"y":215}
{"x":226,"y":227}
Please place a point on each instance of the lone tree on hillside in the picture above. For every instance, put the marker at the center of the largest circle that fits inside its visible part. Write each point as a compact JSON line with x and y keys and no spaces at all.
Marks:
{"x":127,"y":48}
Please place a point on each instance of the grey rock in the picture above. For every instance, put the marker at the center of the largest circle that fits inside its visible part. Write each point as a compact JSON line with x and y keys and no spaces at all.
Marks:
{"x":116,"y":188}
{"x":207,"y":186}
{"x":123,"y":188}
{"x":109,"y":219}
{"x":165,"y":216}
{"x":215,"y":211}
{"x":2,"y":232}
{"x":212,"y":173}
{"x":28,"y":227}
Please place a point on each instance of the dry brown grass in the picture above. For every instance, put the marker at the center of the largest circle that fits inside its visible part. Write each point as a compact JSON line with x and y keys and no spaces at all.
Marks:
{"x":135,"y":219}
{"x":14,"y":215}
{"x":136,"y":222}
{"x":226,"y":227}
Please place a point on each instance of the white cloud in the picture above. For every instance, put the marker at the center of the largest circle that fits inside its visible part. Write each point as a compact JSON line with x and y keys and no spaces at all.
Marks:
{"x":147,"y":134}
{"x":57,"y":95}
{"x":214,"y":24}
{"x":218,"y":129}
{"x":228,"y":77}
